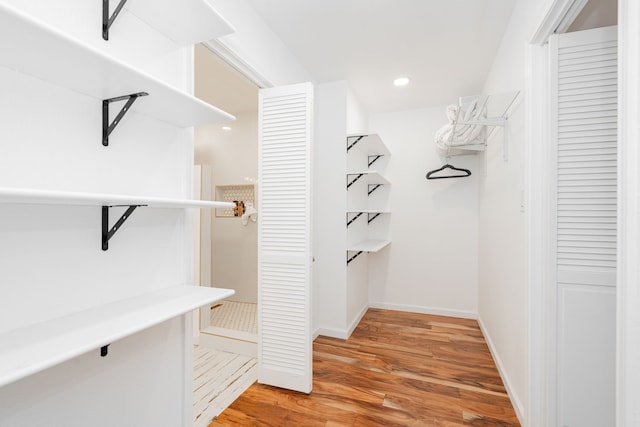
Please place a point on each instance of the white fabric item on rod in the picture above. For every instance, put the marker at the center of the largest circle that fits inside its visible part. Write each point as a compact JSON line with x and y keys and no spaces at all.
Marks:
{"x":458,"y":131}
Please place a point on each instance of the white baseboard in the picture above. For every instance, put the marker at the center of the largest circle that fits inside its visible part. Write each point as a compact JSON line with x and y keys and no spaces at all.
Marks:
{"x":513,"y":396}
{"x":358,"y":318}
{"x":342,"y":334}
{"x":425,"y":310}
{"x":333,"y":333}
{"x":345,"y":334}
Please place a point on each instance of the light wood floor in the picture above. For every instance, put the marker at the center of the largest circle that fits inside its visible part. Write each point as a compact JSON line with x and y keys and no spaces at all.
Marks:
{"x":397,"y":369}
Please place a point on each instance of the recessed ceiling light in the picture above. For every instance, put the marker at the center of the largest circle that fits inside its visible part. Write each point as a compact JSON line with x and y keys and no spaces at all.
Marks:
{"x":401,"y":81}
{"x":226,"y":128}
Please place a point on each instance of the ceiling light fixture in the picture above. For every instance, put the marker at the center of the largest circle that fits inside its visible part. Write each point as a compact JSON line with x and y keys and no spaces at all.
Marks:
{"x":401,"y":81}
{"x":226,"y":128}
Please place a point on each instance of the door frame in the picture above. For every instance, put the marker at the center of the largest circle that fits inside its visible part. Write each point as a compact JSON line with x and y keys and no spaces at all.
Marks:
{"x":628,"y":298}
{"x":541,"y":403}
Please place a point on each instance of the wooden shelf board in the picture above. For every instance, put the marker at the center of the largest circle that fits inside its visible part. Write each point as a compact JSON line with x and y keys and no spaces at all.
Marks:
{"x":52,"y":197}
{"x":31,"y":349}
{"x":186,"y":22}
{"x":369,"y":246}
{"x":38,"y":50}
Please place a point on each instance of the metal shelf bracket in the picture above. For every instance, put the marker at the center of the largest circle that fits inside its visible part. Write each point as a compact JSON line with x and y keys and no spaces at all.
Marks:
{"x":108,"y":128}
{"x":350,"y":183}
{"x":372,"y":188}
{"x":372,"y":216}
{"x":104,"y":350}
{"x":375,"y":157}
{"x":353,"y":257}
{"x":107,"y":20}
{"x":349,"y":221}
{"x":108,"y":233}
{"x":350,"y":146}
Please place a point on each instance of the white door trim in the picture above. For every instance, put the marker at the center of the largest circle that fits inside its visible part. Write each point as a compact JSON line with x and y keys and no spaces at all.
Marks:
{"x":628,"y":291}
{"x":542,"y":393}
{"x":628,"y":310}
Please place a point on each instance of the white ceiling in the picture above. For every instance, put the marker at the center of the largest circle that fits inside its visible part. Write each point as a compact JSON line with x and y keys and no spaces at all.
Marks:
{"x":446,"y":47}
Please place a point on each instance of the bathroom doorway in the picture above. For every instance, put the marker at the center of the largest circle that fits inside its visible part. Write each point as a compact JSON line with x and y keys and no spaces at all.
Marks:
{"x":226,"y":166}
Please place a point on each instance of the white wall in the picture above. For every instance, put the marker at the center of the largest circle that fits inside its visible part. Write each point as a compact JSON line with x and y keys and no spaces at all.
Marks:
{"x":51,"y":262}
{"x":329,"y":209}
{"x":233,"y":156}
{"x":432,"y":263}
{"x":503,"y":288}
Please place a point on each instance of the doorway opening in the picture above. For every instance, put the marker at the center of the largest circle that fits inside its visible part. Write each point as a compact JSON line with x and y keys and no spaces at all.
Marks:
{"x":226,"y":169}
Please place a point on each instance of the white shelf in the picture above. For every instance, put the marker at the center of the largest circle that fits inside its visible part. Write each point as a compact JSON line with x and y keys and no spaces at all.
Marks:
{"x":186,"y":22}
{"x":368,"y":144}
{"x":369,"y":246}
{"x":51,"y":197}
{"x":368,"y":211}
{"x":29,"y":350}
{"x":37,"y":49}
{"x":373,"y":177}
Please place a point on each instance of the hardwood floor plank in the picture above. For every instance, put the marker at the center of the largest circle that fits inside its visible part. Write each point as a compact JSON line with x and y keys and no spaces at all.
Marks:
{"x":397,"y":369}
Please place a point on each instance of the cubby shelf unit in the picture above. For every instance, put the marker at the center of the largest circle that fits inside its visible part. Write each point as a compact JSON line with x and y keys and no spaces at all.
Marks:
{"x":186,"y":22}
{"x":34,"y":348}
{"x":371,"y":148}
{"x":41,"y":51}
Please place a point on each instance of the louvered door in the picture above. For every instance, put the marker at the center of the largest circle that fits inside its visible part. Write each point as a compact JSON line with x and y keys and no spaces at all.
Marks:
{"x":284,"y":227}
{"x":584,"y":104}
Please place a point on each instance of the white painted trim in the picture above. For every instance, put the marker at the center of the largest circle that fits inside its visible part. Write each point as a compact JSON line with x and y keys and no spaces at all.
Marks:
{"x":333,"y":333}
{"x":541,"y":389}
{"x":235,"y":61}
{"x":516,"y":402}
{"x":628,"y":298}
{"x":558,"y":18}
{"x":541,"y":393}
{"x":354,"y":324}
{"x":425,"y":310}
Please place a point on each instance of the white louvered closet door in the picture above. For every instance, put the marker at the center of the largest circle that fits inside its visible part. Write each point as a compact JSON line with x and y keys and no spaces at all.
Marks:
{"x":284,"y":242}
{"x":584,"y":107}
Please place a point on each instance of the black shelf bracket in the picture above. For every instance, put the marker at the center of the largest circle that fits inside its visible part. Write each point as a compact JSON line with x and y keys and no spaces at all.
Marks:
{"x":350,"y":183}
{"x":372,"y":188}
{"x":108,"y":233}
{"x":350,"y":146}
{"x":353,"y":257}
{"x":107,"y":20}
{"x":107,"y":127}
{"x":372,"y":216}
{"x":104,"y":350}
{"x":349,"y":221}
{"x":375,"y":157}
